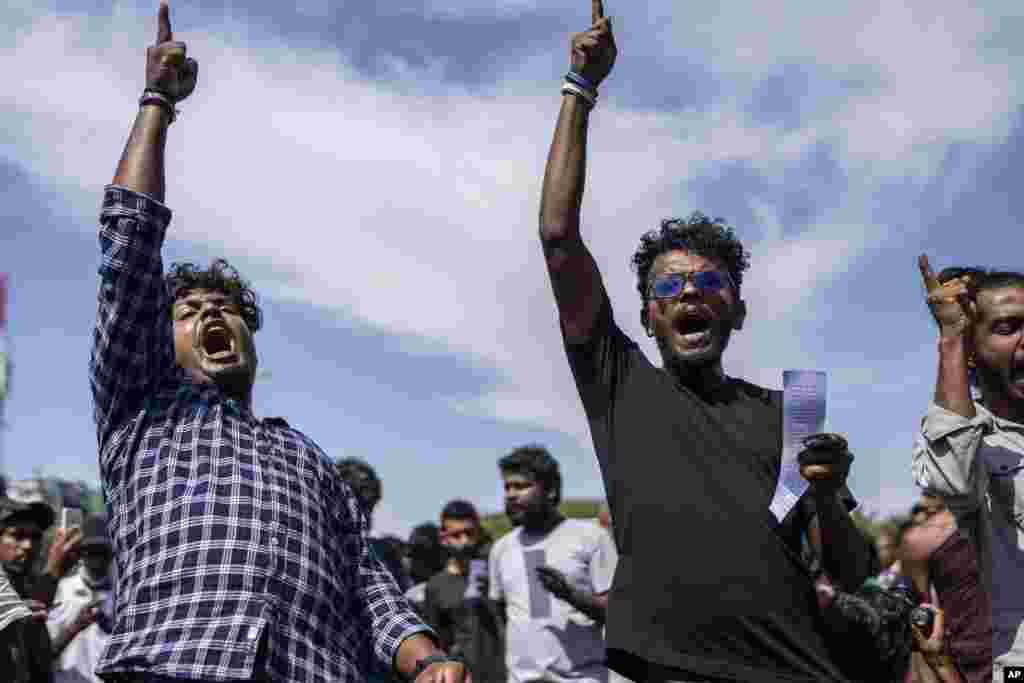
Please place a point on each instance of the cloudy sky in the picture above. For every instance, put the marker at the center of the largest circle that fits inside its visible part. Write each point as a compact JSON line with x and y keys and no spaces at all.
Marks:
{"x":374,"y":168}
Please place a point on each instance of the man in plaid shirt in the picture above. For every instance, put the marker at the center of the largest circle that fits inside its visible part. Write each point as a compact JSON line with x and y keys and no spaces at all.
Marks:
{"x":241,"y":556}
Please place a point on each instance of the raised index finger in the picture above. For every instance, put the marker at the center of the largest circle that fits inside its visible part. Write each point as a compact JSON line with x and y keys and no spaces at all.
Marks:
{"x":930,"y":281}
{"x":163,"y":30}
{"x":596,"y":10}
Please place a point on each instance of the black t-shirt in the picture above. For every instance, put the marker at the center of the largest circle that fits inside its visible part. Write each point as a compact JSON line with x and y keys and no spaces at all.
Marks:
{"x":470,"y":629}
{"x":708,"y":583}
{"x":26,"y":654}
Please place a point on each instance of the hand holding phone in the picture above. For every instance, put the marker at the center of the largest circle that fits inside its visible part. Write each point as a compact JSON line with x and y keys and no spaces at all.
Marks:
{"x":70,"y":518}
{"x":477,"y":575}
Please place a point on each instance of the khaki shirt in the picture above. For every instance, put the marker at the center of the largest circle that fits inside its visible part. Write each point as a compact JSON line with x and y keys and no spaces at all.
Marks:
{"x":977,"y":464}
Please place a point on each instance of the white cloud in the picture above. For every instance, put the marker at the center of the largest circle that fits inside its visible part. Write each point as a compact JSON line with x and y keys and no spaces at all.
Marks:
{"x":417,"y":214}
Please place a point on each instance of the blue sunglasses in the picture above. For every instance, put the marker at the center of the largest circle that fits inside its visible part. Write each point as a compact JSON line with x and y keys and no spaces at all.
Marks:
{"x":671,"y":286}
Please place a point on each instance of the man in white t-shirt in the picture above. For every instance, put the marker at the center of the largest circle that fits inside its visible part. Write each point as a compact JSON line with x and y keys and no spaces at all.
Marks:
{"x":76,"y":623}
{"x":551,"y":576}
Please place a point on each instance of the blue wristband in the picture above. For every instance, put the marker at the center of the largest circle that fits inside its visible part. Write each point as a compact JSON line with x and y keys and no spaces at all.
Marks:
{"x":574,"y":77}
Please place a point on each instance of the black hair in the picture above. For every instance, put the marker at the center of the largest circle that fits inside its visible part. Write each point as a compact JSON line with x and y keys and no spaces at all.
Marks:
{"x":697,"y":234}
{"x":396,"y":546}
{"x":220,"y":277}
{"x":983,"y":278}
{"x":461,"y":510}
{"x":363,"y":481}
{"x":536,"y":462}
{"x":426,"y":554}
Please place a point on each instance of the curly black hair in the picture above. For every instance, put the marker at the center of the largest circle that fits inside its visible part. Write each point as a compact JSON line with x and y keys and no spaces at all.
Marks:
{"x":711,"y":238}
{"x":535,"y":461}
{"x":983,"y":278}
{"x":221,"y":276}
{"x":362,"y":479}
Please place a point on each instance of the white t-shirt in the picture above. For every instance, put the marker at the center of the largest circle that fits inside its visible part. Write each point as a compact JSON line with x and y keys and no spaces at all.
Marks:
{"x":547,"y":638}
{"x":77,"y":663}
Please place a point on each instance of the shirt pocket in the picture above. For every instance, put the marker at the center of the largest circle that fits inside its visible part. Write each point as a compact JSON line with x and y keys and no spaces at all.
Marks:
{"x":1006,"y":483}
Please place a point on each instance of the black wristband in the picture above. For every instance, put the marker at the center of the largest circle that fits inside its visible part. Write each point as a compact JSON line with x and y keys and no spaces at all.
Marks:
{"x":422,"y":664}
{"x":162,"y":100}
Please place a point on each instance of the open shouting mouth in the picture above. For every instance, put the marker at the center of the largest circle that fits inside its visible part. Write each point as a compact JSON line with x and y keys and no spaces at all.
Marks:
{"x":217,"y":343}
{"x":695,"y":328}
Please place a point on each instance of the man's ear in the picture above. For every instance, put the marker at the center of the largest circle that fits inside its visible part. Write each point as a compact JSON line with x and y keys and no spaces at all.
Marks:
{"x":739,"y":314}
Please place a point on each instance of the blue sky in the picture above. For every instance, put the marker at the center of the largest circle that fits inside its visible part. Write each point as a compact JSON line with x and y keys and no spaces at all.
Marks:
{"x":375,"y":168}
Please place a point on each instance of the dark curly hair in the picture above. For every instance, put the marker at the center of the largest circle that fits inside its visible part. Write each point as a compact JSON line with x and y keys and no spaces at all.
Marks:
{"x":362,"y":479}
{"x":220,"y":277}
{"x":711,"y":238}
{"x":535,"y":461}
{"x":983,"y":278}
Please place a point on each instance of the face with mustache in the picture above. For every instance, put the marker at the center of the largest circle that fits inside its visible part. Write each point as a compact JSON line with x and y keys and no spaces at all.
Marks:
{"x":18,"y":545}
{"x":213,"y":342}
{"x":693,"y":328}
{"x":998,"y":346}
{"x":527,"y":502}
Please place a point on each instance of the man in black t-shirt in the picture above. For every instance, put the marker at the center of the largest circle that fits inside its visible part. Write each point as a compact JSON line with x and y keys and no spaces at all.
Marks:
{"x":690,"y":457}
{"x":471,"y":626}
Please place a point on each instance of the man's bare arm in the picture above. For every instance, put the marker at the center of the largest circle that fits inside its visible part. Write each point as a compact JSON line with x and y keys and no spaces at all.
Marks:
{"x":171,"y":74}
{"x":141,"y":168}
{"x":574,"y":274}
{"x":953,"y":310}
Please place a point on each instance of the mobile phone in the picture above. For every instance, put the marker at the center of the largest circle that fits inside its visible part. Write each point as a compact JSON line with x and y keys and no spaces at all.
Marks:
{"x":477,"y":569}
{"x":70,"y":517}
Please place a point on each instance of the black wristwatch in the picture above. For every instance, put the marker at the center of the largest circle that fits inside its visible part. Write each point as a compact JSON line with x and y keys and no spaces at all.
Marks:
{"x":422,"y":664}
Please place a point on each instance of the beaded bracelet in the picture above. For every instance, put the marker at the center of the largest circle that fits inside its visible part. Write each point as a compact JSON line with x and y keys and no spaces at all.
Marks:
{"x":573,"y":89}
{"x":579,"y":80}
{"x":158,"y":98}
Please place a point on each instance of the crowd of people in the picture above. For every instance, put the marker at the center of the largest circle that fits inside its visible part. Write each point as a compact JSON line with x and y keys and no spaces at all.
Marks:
{"x":235,"y":549}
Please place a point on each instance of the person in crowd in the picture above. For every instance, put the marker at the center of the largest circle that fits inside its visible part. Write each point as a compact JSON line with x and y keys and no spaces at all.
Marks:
{"x":29,"y":517}
{"x":878,"y":617}
{"x":426,"y":557}
{"x":25,"y":650}
{"x":368,"y":489}
{"x":930,"y":510}
{"x":971,"y":445}
{"x":77,"y":632}
{"x":464,"y":620}
{"x":240,"y":553}
{"x":944,"y":565}
{"x":550,"y":577}
{"x":887,"y":545}
{"x":685,"y":449}
{"x":928,"y":505}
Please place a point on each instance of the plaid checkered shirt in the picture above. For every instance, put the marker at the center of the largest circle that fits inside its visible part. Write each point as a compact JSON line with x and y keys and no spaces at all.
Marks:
{"x":229,"y":530}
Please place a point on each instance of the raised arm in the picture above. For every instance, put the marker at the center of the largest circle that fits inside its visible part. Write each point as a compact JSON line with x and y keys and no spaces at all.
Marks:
{"x":170,"y":78}
{"x":133,"y":340}
{"x":953,"y":311}
{"x":575,"y":279}
{"x":847,"y":555}
{"x":944,"y":452}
